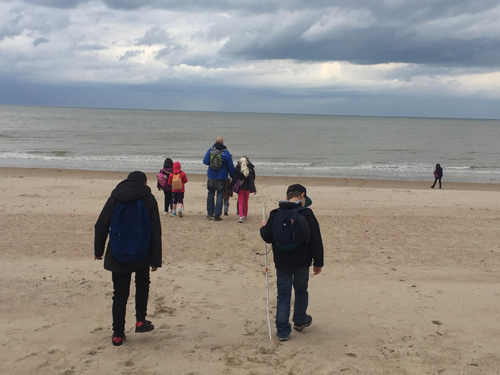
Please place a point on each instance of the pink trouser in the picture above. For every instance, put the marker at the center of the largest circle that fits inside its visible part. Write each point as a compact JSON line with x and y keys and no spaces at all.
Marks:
{"x":243,"y":202}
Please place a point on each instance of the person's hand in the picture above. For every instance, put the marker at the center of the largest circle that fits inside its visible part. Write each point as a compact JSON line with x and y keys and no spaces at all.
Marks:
{"x":262,"y":223}
{"x":254,"y":192}
{"x":159,"y":189}
{"x":97,"y":258}
{"x":153,"y":269}
{"x":317,"y":270}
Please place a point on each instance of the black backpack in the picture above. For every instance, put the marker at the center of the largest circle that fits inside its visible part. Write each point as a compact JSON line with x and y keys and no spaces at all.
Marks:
{"x":130,"y":232}
{"x":290,"y":229}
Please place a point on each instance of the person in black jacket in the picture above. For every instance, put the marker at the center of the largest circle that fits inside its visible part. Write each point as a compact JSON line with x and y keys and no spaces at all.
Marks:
{"x":133,"y":188}
{"x":244,"y":175}
{"x":292,"y":266}
{"x":438,"y":175}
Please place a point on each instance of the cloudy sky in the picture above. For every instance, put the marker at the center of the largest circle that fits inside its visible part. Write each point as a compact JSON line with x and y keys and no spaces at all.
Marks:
{"x":432,"y":58}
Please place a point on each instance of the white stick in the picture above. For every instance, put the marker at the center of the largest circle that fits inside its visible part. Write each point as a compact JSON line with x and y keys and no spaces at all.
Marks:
{"x":267,"y":276}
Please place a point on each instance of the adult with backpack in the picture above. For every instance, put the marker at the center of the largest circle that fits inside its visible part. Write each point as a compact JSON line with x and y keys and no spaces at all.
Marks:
{"x":177,"y":180}
{"x":294,"y":233}
{"x":220,"y":165}
{"x":130,"y":217}
{"x":162,"y":183}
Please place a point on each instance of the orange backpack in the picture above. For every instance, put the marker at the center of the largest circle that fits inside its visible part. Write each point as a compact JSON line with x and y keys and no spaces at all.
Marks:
{"x":177,"y":181}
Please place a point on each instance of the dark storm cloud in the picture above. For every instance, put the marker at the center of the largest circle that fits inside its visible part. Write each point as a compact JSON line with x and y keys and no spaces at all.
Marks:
{"x":386,"y":9}
{"x":356,"y":31}
{"x":373,"y":45}
{"x":155,"y":35}
{"x":40,"y":40}
{"x":129,"y":54}
{"x":90,"y":47}
{"x":65,"y":4}
{"x":177,"y":95}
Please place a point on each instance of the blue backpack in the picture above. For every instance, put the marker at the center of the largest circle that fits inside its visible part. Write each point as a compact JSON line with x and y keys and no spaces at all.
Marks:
{"x":130,"y":232}
{"x":290,"y":229}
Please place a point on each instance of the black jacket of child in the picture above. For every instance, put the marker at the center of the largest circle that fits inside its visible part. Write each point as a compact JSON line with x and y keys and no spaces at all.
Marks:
{"x":129,"y":191}
{"x":248,"y":182}
{"x":303,"y":255}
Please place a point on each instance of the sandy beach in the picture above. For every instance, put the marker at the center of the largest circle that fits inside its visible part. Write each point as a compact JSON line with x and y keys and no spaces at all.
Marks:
{"x":411,"y":283}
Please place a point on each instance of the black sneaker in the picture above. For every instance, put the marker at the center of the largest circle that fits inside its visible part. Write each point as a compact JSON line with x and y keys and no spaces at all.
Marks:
{"x":118,"y":339}
{"x":225,"y":214}
{"x":210,"y":217}
{"x":307,"y":323}
{"x":217,"y":218}
{"x":144,"y":326}
{"x":281,"y":339}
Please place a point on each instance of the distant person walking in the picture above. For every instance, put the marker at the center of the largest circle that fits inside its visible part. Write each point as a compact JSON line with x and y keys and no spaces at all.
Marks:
{"x":178,"y":181}
{"x":438,"y":175}
{"x":243,"y":183}
{"x":130,"y":217}
{"x":162,"y":183}
{"x":220,"y":165}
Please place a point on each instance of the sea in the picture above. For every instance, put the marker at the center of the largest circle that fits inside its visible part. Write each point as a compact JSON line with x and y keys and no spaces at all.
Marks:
{"x":394,"y":148}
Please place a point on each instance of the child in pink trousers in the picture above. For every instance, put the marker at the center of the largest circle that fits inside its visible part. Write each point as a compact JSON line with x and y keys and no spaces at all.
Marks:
{"x":244,"y":183}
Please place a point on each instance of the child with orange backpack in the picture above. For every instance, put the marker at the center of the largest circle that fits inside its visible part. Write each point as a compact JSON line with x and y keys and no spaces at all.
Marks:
{"x":177,"y":180}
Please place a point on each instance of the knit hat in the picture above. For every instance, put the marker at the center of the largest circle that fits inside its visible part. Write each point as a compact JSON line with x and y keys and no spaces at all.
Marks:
{"x":138,"y":176}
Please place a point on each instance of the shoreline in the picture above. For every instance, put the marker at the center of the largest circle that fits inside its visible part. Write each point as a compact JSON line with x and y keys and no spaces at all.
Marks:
{"x":16,"y":172}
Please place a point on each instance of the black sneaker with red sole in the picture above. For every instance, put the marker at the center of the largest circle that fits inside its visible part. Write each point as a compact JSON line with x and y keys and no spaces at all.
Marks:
{"x":144,"y":326}
{"x":118,"y":339}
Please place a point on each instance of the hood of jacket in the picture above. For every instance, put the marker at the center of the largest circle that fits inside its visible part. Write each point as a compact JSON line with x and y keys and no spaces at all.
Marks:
{"x":129,"y":191}
{"x":177,"y":167}
{"x":219,"y":146}
{"x":289,"y":205}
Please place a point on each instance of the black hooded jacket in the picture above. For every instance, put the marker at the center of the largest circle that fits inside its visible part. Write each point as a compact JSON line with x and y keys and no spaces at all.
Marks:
{"x":248,"y":182}
{"x":303,"y":255}
{"x":129,"y":191}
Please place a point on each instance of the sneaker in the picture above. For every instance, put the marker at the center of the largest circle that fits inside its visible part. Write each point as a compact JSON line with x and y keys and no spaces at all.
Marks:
{"x":118,"y":339}
{"x":217,"y":218}
{"x":225,"y":213}
{"x":244,"y":218}
{"x":180,"y":212}
{"x":210,"y":217}
{"x":240,"y":220}
{"x":144,"y":326}
{"x":174,"y":214}
{"x":432,"y":186}
{"x":165,"y":212}
{"x":307,"y":323}
{"x":281,"y":339}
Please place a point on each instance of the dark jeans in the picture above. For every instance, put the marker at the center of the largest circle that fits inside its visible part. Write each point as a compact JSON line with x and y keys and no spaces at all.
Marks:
{"x":215,"y":186}
{"x":168,"y":200}
{"x":121,"y":286}
{"x":437,"y":178}
{"x":285,"y":280}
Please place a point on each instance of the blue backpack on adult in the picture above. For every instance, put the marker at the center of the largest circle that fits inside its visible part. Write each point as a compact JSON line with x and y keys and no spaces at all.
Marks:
{"x":290,"y":229}
{"x":130,"y":232}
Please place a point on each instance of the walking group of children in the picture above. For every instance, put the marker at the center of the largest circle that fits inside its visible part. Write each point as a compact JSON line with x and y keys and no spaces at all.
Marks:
{"x":171,"y":179}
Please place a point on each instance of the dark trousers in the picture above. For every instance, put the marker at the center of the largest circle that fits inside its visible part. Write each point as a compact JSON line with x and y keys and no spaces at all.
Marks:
{"x":168,"y":200}
{"x":215,"y":187}
{"x":285,"y":281}
{"x":121,"y":291}
{"x":434,"y":184}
